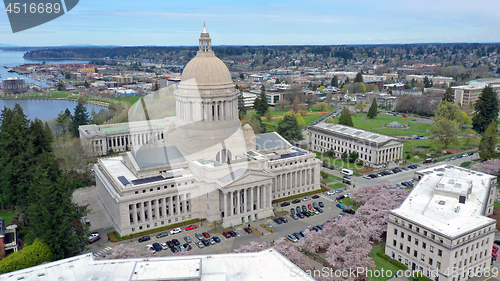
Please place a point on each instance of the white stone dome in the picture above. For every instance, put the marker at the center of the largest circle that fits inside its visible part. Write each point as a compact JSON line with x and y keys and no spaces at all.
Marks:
{"x":208,"y":71}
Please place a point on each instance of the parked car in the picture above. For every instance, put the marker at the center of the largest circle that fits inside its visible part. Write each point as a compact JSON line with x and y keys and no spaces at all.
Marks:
{"x":176,"y":242}
{"x":310,"y":206}
{"x":315,"y":197}
{"x":175,"y":230}
{"x":247,"y":229}
{"x":157,"y":247}
{"x":199,"y":244}
{"x":340,"y":190}
{"x":217,"y":239}
{"x":188,"y":239}
{"x":300,"y":215}
{"x":206,"y":235}
{"x":319,"y":210}
{"x":304,"y":208}
{"x":340,"y":197}
{"x":292,"y":238}
{"x":187,"y":247}
{"x":205,"y":242}
{"x":330,"y":192}
{"x":296,"y":201}
{"x":144,"y":238}
{"x":233,"y":234}
{"x":161,"y":235}
{"x":278,"y":221}
{"x":285,"y":204}
{"x":225,"y":234}
{"x":347,"y":195}
{"x":212,"y":241}
{"x":94,"y":237}
{"x":284,"y":220}
{"x":367,"y":176}
{"x":198,"y":236}
{"x":191,"y":227}
{"x":150,"y":248}
{"x":349,"y":211}
{"x":306,"y":198}
{"x":295,"y":217}
{"x":181,"y":248}
{"x":470,"y":153}
{"x":321,"y":204}
{"x":298,"y":209}
{"x":164,"y":246}
{"x":339,"y":205}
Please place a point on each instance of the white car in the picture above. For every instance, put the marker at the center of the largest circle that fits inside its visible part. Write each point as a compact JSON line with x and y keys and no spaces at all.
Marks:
{"x":150,"y":248}
{"x":367,"y":177}
{"x":306,"y":198}
{"x":164,"y":246}
{"x":175,"y":230}
{"x":330,"y":192}
{"x":347,"y":195}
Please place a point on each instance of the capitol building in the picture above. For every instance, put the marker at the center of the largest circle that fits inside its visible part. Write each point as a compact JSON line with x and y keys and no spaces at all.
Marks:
{"x":199,"y":164}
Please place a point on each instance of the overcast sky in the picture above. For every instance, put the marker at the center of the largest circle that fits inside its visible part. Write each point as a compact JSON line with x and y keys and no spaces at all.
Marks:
{"x":291,"y":22}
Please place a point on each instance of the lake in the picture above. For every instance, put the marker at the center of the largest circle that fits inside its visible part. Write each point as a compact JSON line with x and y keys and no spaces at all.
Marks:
{"x":47,"y":109}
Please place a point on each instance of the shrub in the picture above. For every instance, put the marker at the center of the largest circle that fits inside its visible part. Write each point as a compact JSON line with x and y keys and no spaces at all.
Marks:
{"x":408,"y":156}
{"x":31,"y":255}
{"x":383,"y":255}
{"x":360,"y":162}
{"x":398,"y":264}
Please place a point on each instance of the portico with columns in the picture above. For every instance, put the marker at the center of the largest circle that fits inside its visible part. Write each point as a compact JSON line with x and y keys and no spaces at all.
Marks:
{"x":247,"y":198}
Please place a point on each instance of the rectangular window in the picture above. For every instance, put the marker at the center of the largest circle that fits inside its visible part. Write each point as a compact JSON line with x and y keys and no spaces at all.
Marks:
{"x":424,"y":245}
{"x":440,"y":252}
{"x":402,"y":234}
{"x":409,"y":238}
{"x":422,"y":257}
{"x":416,"y":241}
{"x":395,"y":231}
{"x":415,"y":254}
{"x":394,"y":243}
{"x":431,"y":248}
{"x":408,"y":249}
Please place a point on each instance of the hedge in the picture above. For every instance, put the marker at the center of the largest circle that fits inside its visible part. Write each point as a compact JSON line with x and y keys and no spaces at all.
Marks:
{"x":398,"y":264}
{"x":383,"y":255}
{"x":30,"y":256}
{"x":115,"y":237}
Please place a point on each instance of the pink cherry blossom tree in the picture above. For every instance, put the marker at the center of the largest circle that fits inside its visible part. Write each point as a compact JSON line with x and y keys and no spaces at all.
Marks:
{"x":491,"y":167}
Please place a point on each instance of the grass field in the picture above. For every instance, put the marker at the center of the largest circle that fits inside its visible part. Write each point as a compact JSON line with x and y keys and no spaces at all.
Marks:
{"x":327,"y":180}
{"x":380,"y":263}
{"x":337,"y":185}
{"x":7,"y":215}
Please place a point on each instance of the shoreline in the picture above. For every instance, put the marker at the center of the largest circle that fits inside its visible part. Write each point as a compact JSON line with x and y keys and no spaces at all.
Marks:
{"x":101,"y":103}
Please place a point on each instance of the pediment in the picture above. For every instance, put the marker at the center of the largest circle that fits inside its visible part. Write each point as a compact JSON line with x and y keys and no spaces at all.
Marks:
{"x":249,"y":178}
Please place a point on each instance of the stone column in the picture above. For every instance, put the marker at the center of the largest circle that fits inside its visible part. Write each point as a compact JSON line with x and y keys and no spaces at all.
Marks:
{"x":258,"y":197}
{"x":164,"y":206}
{"x":171,"y":206}
{"x":178,"y":204}
{"x":142,"y":212}
{"x":230,"y":201}
{"x":150,"y":211}
{"x":237,"y":197}
{"x":224,"y":203}
{"x":157,"y":208}
{"x":134,"y":213}
{"x":312,"y":176}
{"x":269,"y":196}
{"x":251,"y":198}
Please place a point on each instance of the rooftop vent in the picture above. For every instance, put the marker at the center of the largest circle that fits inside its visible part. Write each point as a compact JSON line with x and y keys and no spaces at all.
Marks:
{"x":442,"y":202}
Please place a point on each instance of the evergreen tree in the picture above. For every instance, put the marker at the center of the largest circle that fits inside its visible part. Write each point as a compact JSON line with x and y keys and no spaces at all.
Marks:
{"x":353,"y":156}
{"x":289,"y":128}
{"x":449,"y":96}
{"x":80,"y":117}
{"x":242,"y":110}
{"x":61,"y":87}
{"x":86,"y":84}
{"x":335,"y":81}
{"x":345,"y":117}
{"x":63,"y":122}
{"x":256,"y":103}
{"x":373,"y":111}
{"x":40,"y":136}
{"x":358,"y":78}
{"x":344,"y":156}
{"x":54,"y":217}
{"x":486,"y":110}
{"x":257,"y":125}
{"x":263,"y":105}
{"x":488,"y":142}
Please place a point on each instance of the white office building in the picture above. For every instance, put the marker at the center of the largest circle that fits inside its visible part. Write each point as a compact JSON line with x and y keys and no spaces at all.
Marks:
{"x":442,"y":228}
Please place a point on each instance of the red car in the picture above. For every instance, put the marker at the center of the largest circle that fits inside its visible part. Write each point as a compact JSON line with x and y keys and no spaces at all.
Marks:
{"x":94,"y":237}
{"x":191,"y":227}
{"x":310,"y":206}
{"x":405,"y":116}
{"x":227,"y":235}
{"x":247,"y":229}
{"x":206,"y":235}
{"x":494,"y":255}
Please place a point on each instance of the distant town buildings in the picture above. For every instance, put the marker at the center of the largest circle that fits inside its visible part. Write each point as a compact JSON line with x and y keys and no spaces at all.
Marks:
{"x":467,"y":95}
{"x":373,"y":149}
{"x":14,"y":85}
{"x":442,"y":228}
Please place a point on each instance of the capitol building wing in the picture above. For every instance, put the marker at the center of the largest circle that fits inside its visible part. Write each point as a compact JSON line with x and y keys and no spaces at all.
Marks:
{"x":202,"y":164}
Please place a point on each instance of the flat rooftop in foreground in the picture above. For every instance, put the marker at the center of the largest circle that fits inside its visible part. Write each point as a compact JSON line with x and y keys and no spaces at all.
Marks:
{"x":264,"y":265}
{"x":435,"y":200}
{"x":354,"y":132}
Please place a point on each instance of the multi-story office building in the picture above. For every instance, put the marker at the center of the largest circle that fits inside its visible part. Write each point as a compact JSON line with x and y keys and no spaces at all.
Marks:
{"x":467,"y":95}
{"x":442,"y":228}
{"x":372,"y":148}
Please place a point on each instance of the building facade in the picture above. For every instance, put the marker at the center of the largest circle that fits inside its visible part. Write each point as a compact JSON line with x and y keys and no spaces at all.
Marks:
{"x":203,"y":165}
{"x":372,"y":148}
{"x":14,"y":85}
{"x":442,"y":228}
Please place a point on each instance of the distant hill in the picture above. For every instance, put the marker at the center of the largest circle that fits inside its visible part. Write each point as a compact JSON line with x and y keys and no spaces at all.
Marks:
{"x":7,"y":45}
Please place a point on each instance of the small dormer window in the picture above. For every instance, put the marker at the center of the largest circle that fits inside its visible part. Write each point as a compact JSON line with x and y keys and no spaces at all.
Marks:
{"x":461,"y":199}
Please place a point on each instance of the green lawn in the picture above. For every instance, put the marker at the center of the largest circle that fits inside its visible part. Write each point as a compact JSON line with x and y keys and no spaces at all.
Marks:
{"x":311,"y":117}
{"x":335,"y":177}
{"x":421,"y":126}
{"x":337,"y":185}
{"x":327,"y":180}
{"x":358,"y":117}
{"x":7,"y":216}
{"x":349,"y":202}
{"x":380,"y":263}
